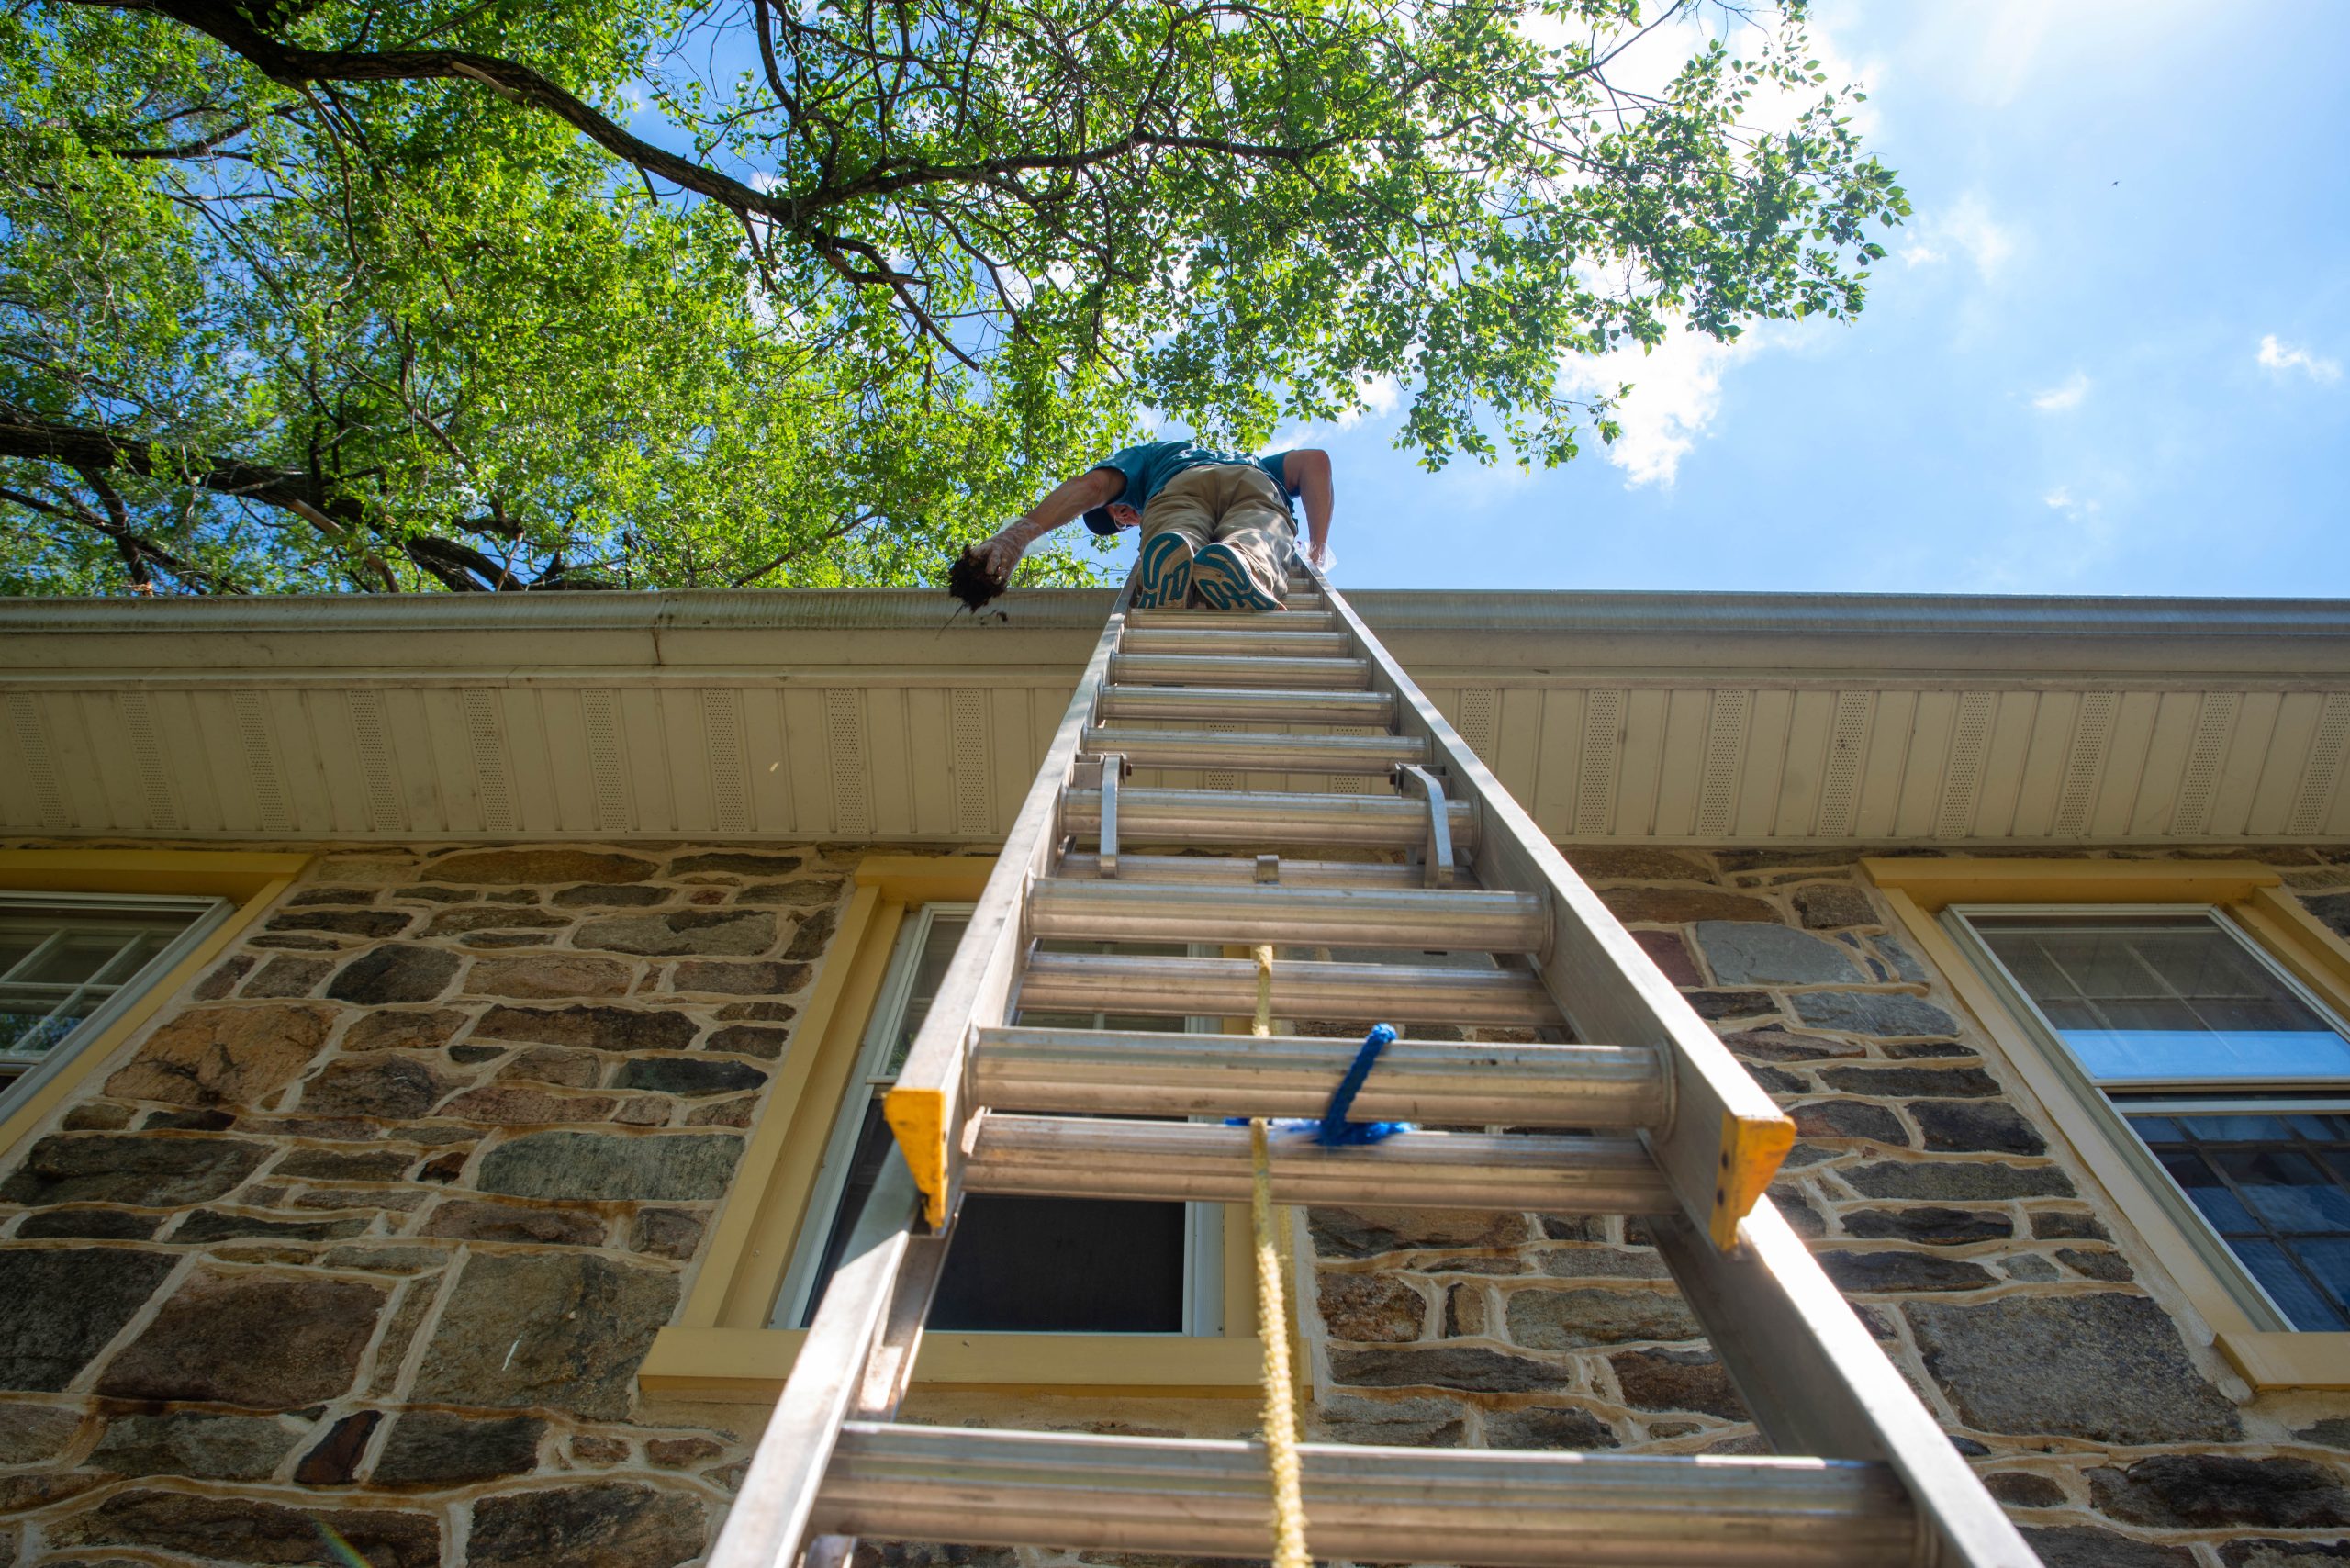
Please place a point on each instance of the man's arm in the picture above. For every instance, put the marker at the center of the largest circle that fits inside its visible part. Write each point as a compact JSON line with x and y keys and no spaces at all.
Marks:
{"x":1069,"y":498}
{"x":1307,"y":471}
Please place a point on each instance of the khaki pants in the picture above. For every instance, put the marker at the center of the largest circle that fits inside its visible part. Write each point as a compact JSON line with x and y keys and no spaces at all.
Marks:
{"x":1233,"y":504}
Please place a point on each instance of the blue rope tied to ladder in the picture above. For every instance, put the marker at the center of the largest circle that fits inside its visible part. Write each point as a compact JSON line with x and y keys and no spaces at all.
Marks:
{"x":1332,"y":1130}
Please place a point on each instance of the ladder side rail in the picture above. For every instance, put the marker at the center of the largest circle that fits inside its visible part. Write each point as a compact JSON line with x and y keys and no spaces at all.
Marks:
{"x":1726,"y":1135}
{"x":769,"y":1519}
{"x":1817,"y":1382}
{"x":930,"y":1103}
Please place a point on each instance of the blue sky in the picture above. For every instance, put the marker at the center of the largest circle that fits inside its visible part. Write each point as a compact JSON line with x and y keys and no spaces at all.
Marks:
{"x":2110,"y":353}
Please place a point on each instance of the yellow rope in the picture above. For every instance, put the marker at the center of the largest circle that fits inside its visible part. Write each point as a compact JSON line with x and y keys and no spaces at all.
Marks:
{"x":1283,"y":1250}
{"x":1272,"y":1323}
{"x":1263,"y":1027}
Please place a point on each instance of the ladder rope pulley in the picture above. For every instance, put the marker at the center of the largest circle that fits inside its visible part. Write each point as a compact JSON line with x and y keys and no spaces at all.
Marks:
{"x":1644,"y":1112}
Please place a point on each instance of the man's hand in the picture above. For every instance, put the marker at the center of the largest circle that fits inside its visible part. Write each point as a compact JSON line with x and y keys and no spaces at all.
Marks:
{"x":1000,"y":553}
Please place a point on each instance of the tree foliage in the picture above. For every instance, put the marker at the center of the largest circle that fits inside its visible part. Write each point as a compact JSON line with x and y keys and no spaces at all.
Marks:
{"x":319,"y":295}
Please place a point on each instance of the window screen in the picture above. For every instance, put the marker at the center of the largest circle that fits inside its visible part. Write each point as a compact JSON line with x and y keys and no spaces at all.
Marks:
{"x":2228,"y":1075}
{"x":1018,"y":1264}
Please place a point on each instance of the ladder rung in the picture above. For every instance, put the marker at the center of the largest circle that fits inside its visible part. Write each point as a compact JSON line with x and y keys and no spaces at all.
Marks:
{"x":1264,"y":819}
{"x":1252,"y":643}
{"x":1424,"y":918}
{"x":1134,"y":1072}
{"x":1195,"y":669}
{"x":1242,"y":705}
{"x":1247,"y":752}
{"x":1205,"y":1497}
{"x":1232,"y":870}
{"x":1226,"y":988}
{"x":1232,"y":620}
{"x":1082,"y":1157}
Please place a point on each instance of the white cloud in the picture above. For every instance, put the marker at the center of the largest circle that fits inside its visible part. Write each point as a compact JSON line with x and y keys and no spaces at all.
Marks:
{"x":1966,"y":225}
{"x":2282,"y":358}
{"x":2057,"y":399}
{"x":2061,"y":500}
{"x":1676,"y":392}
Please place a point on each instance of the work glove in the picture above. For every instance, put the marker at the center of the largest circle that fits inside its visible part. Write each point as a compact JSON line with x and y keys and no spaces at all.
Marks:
{"x":1000,"y":553}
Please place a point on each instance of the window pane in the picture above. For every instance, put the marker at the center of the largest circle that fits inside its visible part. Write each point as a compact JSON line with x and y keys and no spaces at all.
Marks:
{"x":2161,"y":997}
{"x":60,"y":962}
{"x":938,"y":952}
{"x":2273,"y":1187}
{"x":1063,"y":1265}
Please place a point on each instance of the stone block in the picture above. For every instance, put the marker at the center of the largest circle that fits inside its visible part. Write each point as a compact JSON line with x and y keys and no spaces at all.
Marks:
{"x":717,"y":977}
{"x":2210,"y":1491}
{"x":555,"y":1065}
{"x":1714,"y":1005}
{"x":403,"y":1031}
{"x":2105,"y":1366}
{"x":466,"y":1220}
{"x":1829,"y":906}
{"x":1748,"y":952}
{"x":1890,"y":1270}
{"x":1924,"y":1082}
{"x":2086,"y":1546}
{"x":334,"y":1460}
{"x":346,"y":1165}
{"x":691,"y":1077}
{"x":812,"y":892}
{"x":1905,"y":964}
{"x":666,"y":1233}
{"x":596,"y":1028}
{"x":221,"y":1225}
{"x":2097,"y":1264}
{"x":2334,"y":909}
{"x":736,"y":863}
{"x":1887,"y":1014}
{"x":287,"y":976}
{"x":534,"y":867}
{"x":549,"y":976}
{"x":60,"y":1306}
{"x":749,"y":1040}
{"x":1682,"y":906}
{"x":1671,"y":955}
{"x":682,"y":1453}
{"x":1601,"y":1263}
{"x":604,"y":1524}
{"x":1636,"y":863}
{"x":596,"y":896}
{"x":2067,"y":1225}
{"x":2283,"y":1553}
{"x":1576,"y":1319}
{"x":1942,"y":1179}
{"x":1371,"y":1308}
{"x":241,"y":1529}
{"x":396,"y":972}
{"x":131,"y":1167}
{"x":1849,"y":1119}
{"x":613,"y":1166}
{"x":1364,"y":1233}
{"x":483,"y":926}
{"x":562,"y":1331}
{"x":1553,"y":1427}
{"x":1677,"y":1379}
{"x":223,"y":979}
{"x":263,"y":1340}
{"x":523,"y":1104}
{"x":740,"y":933}
{"x":224,"y":1056}
{"x":1976,"y":1126}
{"x":1469,"y":1368}
{"x":373,"y":923}
{"x":32,"y":1434}
{"x":2023,"y":1489}
{"x":86,"y":1225}
{"x":1420,"y":1423}
{"x":433,"y":1448}
{"x":387,"y":1087}
{"x":1930,"y":1226}
{"x":2030,"y":1267}
{"x":1772,"y":1042}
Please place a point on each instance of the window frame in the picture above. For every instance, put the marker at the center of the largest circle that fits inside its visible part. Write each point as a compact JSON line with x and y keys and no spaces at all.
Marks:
{"x":2251,"y":897}
{"x":2096,"y":1098}
{"x":720,"y":1347}
{"x":1203,"y":1222}
{"x":248,"y":885}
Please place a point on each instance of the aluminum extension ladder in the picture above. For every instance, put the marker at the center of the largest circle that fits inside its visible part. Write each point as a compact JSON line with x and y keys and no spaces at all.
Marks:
{"x":1669,"y":1126}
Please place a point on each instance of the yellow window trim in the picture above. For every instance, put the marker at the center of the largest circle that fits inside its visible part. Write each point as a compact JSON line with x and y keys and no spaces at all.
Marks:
{"x":254,"y":881}
{"x":2252,"y":894}
{"x":721,"y":1347}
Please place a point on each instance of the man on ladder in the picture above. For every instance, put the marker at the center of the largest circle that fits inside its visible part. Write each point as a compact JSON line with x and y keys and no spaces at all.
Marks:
{"x":1215,"y":526}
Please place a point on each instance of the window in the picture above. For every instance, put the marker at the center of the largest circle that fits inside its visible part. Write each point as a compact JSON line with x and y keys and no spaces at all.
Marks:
{"x":2216,"y":1073}
{"x":70,"y":965}
{"x":1019,"y":1264}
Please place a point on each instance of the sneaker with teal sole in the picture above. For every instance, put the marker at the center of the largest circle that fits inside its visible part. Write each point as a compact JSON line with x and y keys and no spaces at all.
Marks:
{"x":1164,"y":572}
{"x":1223,"y":581}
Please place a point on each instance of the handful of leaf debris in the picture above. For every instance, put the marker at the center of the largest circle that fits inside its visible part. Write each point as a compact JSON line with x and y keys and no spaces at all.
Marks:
{"x":967,"y":580}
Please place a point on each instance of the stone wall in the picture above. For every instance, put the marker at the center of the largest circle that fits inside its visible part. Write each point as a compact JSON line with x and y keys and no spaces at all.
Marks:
{"x":363,"y":1242}
{"x":2034,"y":1325}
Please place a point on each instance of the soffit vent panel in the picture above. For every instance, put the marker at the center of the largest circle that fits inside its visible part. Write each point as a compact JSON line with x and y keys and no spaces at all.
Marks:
{"x":157,"y":794}
{"x":1724,"y":750}
{"x":2085,"y":764}
{"x":599,"y":712}
{"x":485,"y":744}
{"x":30,"y":728}
{"x":845,"y":746}
{"x":1839,"y":781}
{"x":2321,"y":776}
{"x":2215,"y":722}
{"x":1962,"y":776}
{"x":1597,"y":766}
{"x":729,"y":783}
{"x":371,"y":736}
{"x":264,"y":775}
{"x":974,"y":805}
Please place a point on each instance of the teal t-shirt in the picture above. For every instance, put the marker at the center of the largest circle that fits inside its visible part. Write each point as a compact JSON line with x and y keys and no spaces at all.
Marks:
{"x":1147,"y":467}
